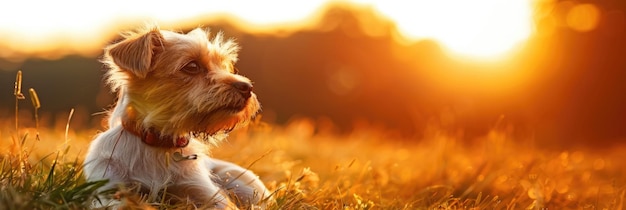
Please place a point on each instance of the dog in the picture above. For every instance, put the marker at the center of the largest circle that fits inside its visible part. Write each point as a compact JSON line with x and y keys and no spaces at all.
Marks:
{"x":178,"y":94}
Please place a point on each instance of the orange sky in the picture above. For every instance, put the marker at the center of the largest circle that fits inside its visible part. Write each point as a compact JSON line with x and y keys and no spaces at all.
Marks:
{"x":485,"y":29}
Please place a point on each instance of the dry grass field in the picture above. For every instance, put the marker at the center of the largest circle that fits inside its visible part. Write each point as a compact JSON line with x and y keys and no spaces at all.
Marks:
{"x":365,"y":169}
{"x":308,"y":166}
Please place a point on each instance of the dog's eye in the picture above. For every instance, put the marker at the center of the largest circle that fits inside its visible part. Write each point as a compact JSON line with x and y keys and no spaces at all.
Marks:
{"x":192,"y":68}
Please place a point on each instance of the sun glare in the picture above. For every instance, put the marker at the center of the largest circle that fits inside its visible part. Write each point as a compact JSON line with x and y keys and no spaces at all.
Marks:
{"x":479,"y":28}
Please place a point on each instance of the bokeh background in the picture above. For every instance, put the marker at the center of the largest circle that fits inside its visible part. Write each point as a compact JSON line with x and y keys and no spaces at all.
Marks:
{"x":559,"y":81}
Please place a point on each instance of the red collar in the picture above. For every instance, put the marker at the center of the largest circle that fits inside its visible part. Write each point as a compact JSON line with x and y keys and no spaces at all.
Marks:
{"x":151,"y":137}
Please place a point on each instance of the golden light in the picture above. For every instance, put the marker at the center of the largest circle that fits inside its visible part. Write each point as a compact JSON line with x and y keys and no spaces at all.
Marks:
{"x":478,"y":28}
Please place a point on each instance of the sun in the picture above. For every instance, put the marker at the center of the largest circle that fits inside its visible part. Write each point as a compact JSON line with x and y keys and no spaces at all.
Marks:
{"x":477,"y":28}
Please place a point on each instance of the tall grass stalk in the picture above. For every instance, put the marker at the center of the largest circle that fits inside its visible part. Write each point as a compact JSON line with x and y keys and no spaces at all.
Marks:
{"x":36,"y":105}
{"x":17,"y":92}
{"x":67,"y":126}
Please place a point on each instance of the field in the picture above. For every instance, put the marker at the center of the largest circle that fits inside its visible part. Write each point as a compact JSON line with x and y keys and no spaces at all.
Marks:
{"x":365,"y":169}
{"x":308,"y":166}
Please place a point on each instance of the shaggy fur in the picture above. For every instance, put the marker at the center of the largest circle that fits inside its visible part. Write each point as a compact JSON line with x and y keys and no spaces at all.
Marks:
{"x":182,"y":86}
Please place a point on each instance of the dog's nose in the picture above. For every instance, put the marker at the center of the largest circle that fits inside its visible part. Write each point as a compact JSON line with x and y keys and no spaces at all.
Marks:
{"x":244,"y":88}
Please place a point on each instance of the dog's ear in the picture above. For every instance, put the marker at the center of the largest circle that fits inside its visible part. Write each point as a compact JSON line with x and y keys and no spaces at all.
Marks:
{"x":135,"y":53}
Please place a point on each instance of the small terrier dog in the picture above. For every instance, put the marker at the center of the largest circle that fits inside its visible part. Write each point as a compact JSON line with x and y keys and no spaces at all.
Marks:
{"x":176,"y":94}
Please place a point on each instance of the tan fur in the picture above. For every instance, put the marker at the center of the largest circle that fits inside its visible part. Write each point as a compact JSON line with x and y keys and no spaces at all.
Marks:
{"x":146,"y":68}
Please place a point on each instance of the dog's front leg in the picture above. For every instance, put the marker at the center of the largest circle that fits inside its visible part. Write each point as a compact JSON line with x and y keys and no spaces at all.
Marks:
{"x":245,"y":185}
{"x":203,"y":192}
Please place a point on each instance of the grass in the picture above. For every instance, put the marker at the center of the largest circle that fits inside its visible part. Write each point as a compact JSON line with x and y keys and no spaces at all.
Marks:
{"x":309,"y":168}
{"x":50,"y":183}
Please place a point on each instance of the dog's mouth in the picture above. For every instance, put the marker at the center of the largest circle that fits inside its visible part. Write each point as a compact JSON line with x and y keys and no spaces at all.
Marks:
{"x":232,"y":108}
{"x":220,"y":120}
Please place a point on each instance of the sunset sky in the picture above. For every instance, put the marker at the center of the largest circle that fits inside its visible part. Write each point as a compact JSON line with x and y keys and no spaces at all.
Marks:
{"x":553,"y":70}
{"x":480,"y":28}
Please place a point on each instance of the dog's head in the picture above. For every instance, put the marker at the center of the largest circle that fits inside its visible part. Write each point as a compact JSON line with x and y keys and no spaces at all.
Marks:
{"x":180,"y":83}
